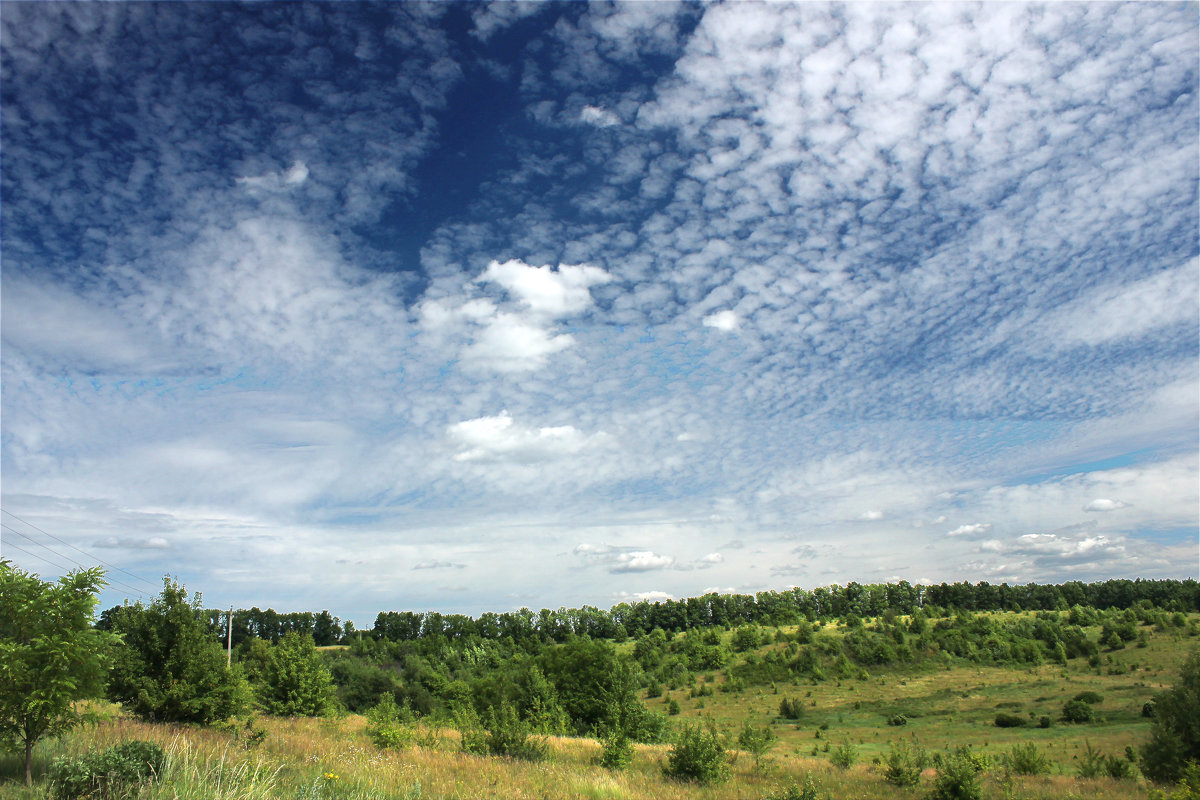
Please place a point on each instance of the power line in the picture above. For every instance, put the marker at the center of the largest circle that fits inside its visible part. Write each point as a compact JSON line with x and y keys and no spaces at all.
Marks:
{"x":136,"y":591}
{"x":39,"y":558}
{"x":73,"y":547}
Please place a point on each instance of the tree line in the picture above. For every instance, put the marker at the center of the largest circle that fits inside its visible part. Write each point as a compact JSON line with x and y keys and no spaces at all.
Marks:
{"x":787,"y":607}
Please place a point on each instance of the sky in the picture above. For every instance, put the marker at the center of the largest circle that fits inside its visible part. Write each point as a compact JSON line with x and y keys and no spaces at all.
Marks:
{"x":473,"y":307}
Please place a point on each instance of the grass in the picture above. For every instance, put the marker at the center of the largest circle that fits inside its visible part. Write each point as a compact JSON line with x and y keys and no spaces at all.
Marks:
{"x":945,"y":707}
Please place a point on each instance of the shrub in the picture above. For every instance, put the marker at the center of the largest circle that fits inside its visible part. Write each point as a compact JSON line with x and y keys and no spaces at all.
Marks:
{"x":1175,"y":731}
{"x":1004,"y":720}
{"x":795,"y":792}
{"x":116,"y":772}
{"x":1089,"y":697}
{"x":1078,"y":711}
{"x":1026,"y":759}
{"x":698,"y":755}
{"x":958,"y":776}
{"x":791,"y":708}
{"x":756,"y":741}
{"x":897,"y":720}
{"x":843,"y":755}
{"x":616,"y":749}
{"x":904,"y":765}
{"x":508,"y":735}
{"x":1044,"y":721}
{"x":1095,"y":764}
{"x":387,"y":724}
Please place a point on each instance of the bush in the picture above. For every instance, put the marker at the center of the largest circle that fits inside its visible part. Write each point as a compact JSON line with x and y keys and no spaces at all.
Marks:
{"x":756,"y":741}
{"x":1004,"y":720}
{"x":958,"y":776}
{"x":843,"y":755}
{"x":904,"y":765}
{"x":791,"y":708}
{"x":1044,"y":721}
{"x":1089,"y":697}
{"x":795,"y":792}
{"x":508,"y":735}
{"x":616,"y":749}
{"x":387,"y":724}
{"x":1175,"y":731}
{"x":1078,"y":711}
{"x":1026,"y":759}
{"x":698,"y":755}
{"x":897,"y":720}
{"x":119,"y":771}
{"x":1095,"y":764}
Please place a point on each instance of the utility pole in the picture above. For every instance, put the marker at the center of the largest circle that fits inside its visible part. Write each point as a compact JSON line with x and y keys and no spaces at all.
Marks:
{"x":229,"y":642}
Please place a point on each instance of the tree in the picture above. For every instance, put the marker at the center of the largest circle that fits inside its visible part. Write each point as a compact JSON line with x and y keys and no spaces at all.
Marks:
{"x":1175,"y":735}
{"x":294,"y":682}
{"x":50,"y":657}
{"x":171,"y":669}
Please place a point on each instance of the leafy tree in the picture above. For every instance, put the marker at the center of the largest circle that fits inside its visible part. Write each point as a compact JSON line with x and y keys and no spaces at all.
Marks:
{"x":756,"y":741}
{"x":170,"y":668}
{"x":698,"y":754}
{"x":50,"y":656}
{"x":1175,"y":732}
{"x":295,"y":682}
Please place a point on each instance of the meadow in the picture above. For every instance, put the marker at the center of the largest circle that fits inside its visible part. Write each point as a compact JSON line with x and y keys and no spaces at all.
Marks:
{"x":943,"y":705}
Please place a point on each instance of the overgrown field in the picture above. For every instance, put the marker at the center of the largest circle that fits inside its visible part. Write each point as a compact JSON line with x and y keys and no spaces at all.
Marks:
{"x":861,"y":717}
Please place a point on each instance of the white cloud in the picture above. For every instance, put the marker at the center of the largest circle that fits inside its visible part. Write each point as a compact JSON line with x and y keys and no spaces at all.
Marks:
{"x":640,"y":561}
{"x":500,"y":439}
{"x":726,"y":320}
{"x":1103,"y":504}
{"x":977,"y":529}
{"x":600,"y":117}
{"x":152,"y":543}
{"x":649,"y":597}
{"x":554,"y":293}
{"x":870,"y":516}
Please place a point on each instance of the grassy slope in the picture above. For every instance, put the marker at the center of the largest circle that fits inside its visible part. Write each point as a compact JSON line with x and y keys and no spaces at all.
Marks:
{"x":946,"y":707}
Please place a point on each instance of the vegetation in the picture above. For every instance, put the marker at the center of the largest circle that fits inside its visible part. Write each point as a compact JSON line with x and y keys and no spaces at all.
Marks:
{"x":118,"y":771}
{"x":49,"y":655}
{"x":844,"y":700}
{"x":1175,"y":733}
{"x":170,"y":669}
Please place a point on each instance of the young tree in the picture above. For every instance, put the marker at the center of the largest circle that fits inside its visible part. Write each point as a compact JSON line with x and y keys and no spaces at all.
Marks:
{"x":50,"y":656}
{"x":295,"y":683}
{"x":171,"y":669}
{"x":1175,"y":735}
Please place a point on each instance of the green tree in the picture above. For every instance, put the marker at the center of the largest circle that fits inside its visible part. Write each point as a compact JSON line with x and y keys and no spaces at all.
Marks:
{"x":50,"y":656}
{"x":295,"y":683}
{"x":1175,"y":735}
{"x":170,"y":668}
{"x":756,"y":741}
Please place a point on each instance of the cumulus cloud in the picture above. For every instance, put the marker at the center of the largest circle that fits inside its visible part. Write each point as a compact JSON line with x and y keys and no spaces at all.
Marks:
{"x":649,"y":597}
{"x":500,"y":439}
{"x":623,"y":559}
{"x":515,"y":333}
{"x":600,"y":117}
{"x":726,"y":320}
{"x":971,"y":531}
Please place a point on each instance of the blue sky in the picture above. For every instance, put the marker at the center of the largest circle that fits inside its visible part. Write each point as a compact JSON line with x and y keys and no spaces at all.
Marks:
{"x":471,"y":307}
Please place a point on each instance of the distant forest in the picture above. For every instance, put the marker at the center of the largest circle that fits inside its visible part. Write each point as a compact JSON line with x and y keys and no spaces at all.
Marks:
{"x":626,"y":620}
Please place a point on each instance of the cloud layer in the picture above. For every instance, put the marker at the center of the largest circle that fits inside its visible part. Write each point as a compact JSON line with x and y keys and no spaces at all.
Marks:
{"x":565,"y":301}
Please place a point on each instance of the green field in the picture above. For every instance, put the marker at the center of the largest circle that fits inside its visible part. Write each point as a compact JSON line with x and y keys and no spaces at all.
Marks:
{"x":946,"y":703}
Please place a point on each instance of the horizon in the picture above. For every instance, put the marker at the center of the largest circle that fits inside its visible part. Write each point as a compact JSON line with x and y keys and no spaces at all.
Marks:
{"x":474,"y":307}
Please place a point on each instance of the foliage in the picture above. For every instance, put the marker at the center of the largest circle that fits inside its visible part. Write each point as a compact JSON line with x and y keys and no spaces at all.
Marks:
{"x":843,"y":756}
{"x":1005,"y":720}
{"x":1089,"y":697}
{"x":616,"y":751}
{"x":1026,"y":759}
{"x":359,"y":683}
{"x":795,"y":792}
{"x":957,"y":776}
{"x":387,"y":724}
{"x":1095,"y":764}
{"x":117,"y":772}
{"x":49,"y":655}
{"x":904,"y":764}
{"x":698,"y":754}
{"x":509,"y":735}
{"x":1175,"y":731}
{"x":791,"y":708}
{"x":171,"y":669}
{"x":295,"y":683}
{"x":1077,"y":711}
{"x":756,"y":741}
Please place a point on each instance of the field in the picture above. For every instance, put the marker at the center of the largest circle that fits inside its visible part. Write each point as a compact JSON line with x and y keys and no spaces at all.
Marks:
{"x":944,"y":706}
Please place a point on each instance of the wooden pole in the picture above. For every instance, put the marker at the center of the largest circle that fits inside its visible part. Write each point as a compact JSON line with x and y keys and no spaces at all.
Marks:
{"x":229,"y":642}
